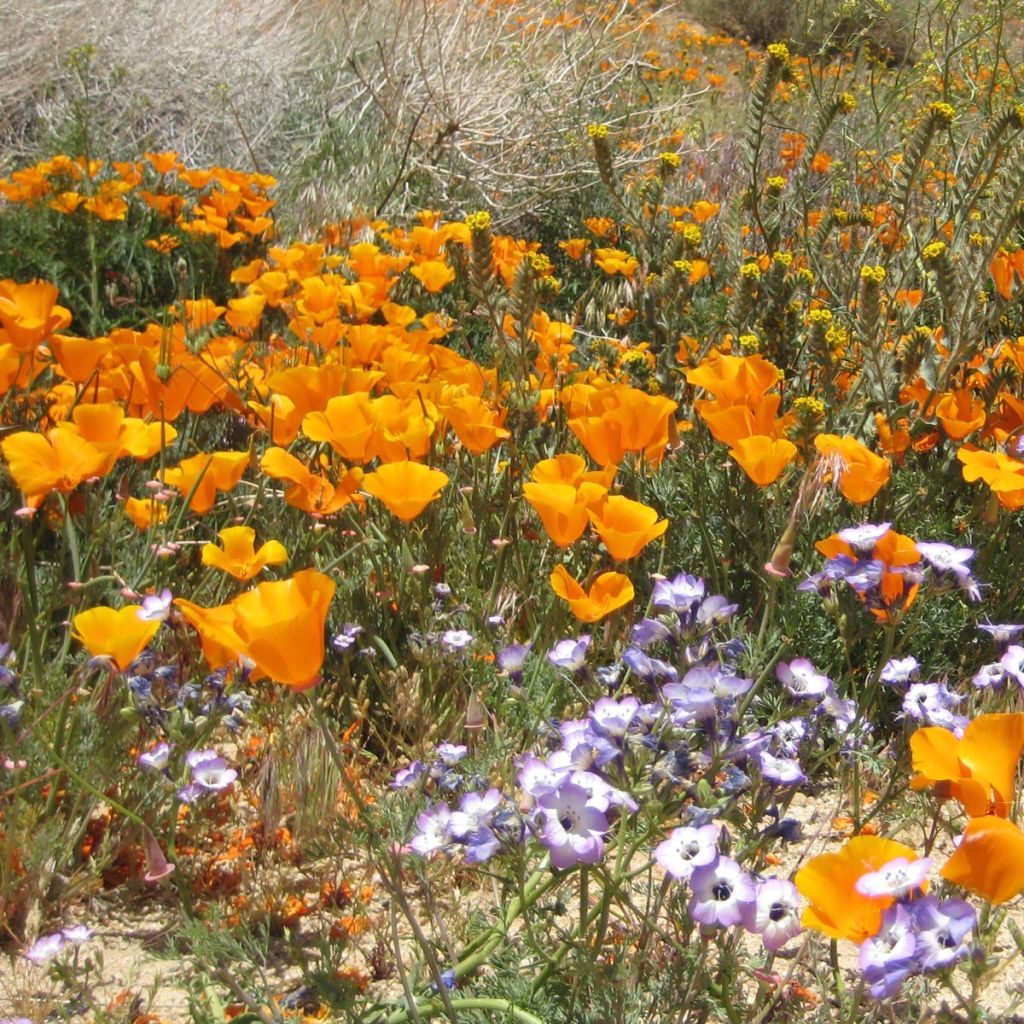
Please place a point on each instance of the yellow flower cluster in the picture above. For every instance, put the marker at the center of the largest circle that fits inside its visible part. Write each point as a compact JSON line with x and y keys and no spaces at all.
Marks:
{"x":479,"y":221}
{"x":874,"y":274}
{"x":934,"y":250}
{"x":943,"y":112}
{"x":750,"y":271}
{"x":597,"y":131}
{"x":809,"y":407}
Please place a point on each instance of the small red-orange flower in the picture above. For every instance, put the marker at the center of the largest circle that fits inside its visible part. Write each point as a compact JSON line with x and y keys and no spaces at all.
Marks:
{"x":239,"y":557}
{"x":115,"y":633}
{"x":610,"y":591}
{"x":406,"y":488}
{"x":625,"y":526}
{"x":829,"y":883}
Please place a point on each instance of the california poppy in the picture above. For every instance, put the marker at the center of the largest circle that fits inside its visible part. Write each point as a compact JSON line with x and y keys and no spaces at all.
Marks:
{"x":610,"y":591}
{"x":406,"y":488}
{"x":29,"y":313}
{"x":115,"y":633}
{"x":763,"y":458}
{"x":989,"y":859}
{"x":239,"y":557}
{"x":625,"y":526}
{"x":200,"y":477}
{"x":859,"y":472}
{"x":57,"y":461}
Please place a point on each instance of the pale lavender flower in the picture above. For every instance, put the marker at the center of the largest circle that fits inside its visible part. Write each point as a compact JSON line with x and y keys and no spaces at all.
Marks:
{"x":456,"y":639}
{"x":613,"y":718}
{"x":898,"y":878}
{"x":802,"y":679}
{"x":650,"y":631}
{"x":900,"y":672}
{"x":573,"y":829}
{"x":209,"y":775}
{"x":406,"y":778}
{"x":451,"y":753}
{"x":1003,"y":634}
{"x":715,"y":610}
{"x":1013,"y":663}
{"x":45,"y":948}
{"x":156,"y":607}
{"x":512,"y":658}
{"x":784,"y":771}
{"x":570,"y":654}
{"x":76,"y":934}
{"x":991,"y":676}
{"x":157,"y":758}
{"x":347,"y":638}
{"x":944,"y":558}
{"x":788,"y":734}
{"x":434,"y":831}
{"x":681,"y":594}
{"x":537,"y":777}
{"x":648,"y":669}
{"x":722,"y":893}
{"x":687,"y":848}
{"x":775,"y":913}
{"x":475,"y":811}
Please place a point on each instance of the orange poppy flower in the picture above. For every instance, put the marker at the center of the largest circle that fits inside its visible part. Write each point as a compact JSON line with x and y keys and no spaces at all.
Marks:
{"x":310,"y":491}
{"x":203,"y":475}
{"x":282,"y":626}
{"x":961,"y":413}
{"x":56,"y":461}
{"x":476,"y":424}
{"x":763,"y":458}
{"x":893,"y":550}
{"x":115,"y":633}
{"x":145,"y":512}
{"x":563,"y":508}
{"x":239,"y":557}
{"x":29,"y":313}
{"x":434,"y":275}
{"x":610,"y":591}
{"x":989,"y":859}
{"x":625,"y":526}
{"x":620,"y":419}
{"x":861,"y":474}
{"x":978,"y":769}
{"x":616,"y":261}
{"x":406,"y":488}
{"x":1004,"y":475}
{"x":829,"y":883}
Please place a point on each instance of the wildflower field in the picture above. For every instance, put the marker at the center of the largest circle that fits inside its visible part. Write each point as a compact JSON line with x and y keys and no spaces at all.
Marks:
{"x":526,"y":526}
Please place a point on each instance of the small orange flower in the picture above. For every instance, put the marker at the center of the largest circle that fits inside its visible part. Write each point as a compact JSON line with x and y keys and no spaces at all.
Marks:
{"x":828,"y":882}
{"x":115,"y":633}
{"x":144,"y":512}
{"x":1004,"y":475}
{"x":610,"y":591}
{"x":961,"y":413}
{"x":861,"y":474}
{"x":434,"y":275}
{"x":238,"y":557}
{"x":406,"y":488}
{"x":202,"y":476}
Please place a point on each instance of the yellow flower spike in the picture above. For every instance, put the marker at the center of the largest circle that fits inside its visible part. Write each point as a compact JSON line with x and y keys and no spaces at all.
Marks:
{"x":115,"y":633}
{"x":238,"y":557}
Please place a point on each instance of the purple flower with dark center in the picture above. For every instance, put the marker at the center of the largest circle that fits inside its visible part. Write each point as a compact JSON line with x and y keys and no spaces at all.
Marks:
{"x":802,"y":679}
{"x":570,"y":654}
{"x":931,"y":703}
{"x":1013,"y":663}
{"x":942,"y":931}
{"x":406,"y":778}
{"x":511,"y":659}
{"x":434,"y":831}
{"x":574,"y":830}
{"x":864,"y":538}
{"x":648,"y":669}
{"x":785,"y":771}
{"x":789,"y":734}
{"x":209,"y":775}
{"x":887,"y":959}
{"x":687,"y":848}
{"x":900,"y":672}
{"x":898,"y":878}
{"x":681,"y":595}
{"x":722,"y":893}
{"x":613,"y":718}
{"x":537,"y":777}
{"x":156,"y":607}
{"x":775,"y":913}
{"x":1003,"y":634}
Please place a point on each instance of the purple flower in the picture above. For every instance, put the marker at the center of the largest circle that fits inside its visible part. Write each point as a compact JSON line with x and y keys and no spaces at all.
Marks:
{"x":456,"y":639}
{"x":775,"y":913}
{"x":451,"y":753}
{"x":864,"y":538}
{"x":887,"y":959}
{"x":511,"y":659}
{"x":722,"y":893}
{"x":45,"y":948}
{"x":944,"y":558}
{"x":156,"y":607}
{"x":648,"y":669}
{"x":898,"y":878}
{"x":613,"y":718}
{"x":990,"y":676}
{"x":681,"y":595}
{"x":573,"y":830}
{"x":1003,"y":634}
{"x":157,"y":758}
{"x":537,"y":777}
{"x":931,"y":703}
{"x":650,"y":631}
{"x":475,"y":810}
{"x":687,"y":848}
{"x":1013,"y":663}
{"x":714,"y":610}
{"x":801,"y":678}
{"x":347,"y":638}
{"x":406,"y":778}
{"x":570,"y":654}
{"x":942,"y":931}
{"x":434,"y":831}
{"x":784,"y":771}
{"x":76,"y":934}
{"x":900,"y":672}
{"x":788,"y":734}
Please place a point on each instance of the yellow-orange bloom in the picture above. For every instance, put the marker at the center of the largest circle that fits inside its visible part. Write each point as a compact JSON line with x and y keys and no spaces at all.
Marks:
{"x":406,"y":488}
{"x":115,"y":633}
{"x":57,"y":461}
{"x":202,"y":476}
{"x":1005,"y":476}
{"x":239,"y":557}
{"x":828,"y":882}
{"x":625,"y":526}
{"x":610,"y":591}
{"x":861,"y":473}
{"x":961,"y":413}
{"x":763,"y":458}
{"x":29,"y":313}
{"x":989,"y":859}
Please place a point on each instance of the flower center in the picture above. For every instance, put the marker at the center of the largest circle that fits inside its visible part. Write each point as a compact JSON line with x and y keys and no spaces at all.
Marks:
{"x":777,"y":912}
{"x":722,"y":892}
